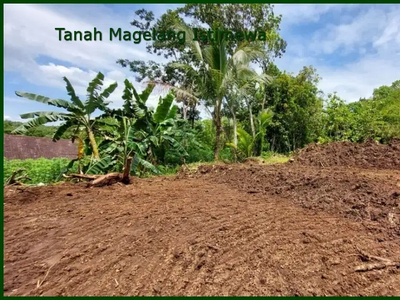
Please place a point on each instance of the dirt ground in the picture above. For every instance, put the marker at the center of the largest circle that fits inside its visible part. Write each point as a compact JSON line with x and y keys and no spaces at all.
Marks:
{"x":248,"y":229}
{"x":346,"y":154}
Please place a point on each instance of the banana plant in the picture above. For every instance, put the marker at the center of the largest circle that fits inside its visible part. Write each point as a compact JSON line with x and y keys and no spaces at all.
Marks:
{"x":156,"y":129}
{"x":125,"y":141}
{"x":78,"y":113}
{"x":264,"y":119}
{"x":246,"y":143}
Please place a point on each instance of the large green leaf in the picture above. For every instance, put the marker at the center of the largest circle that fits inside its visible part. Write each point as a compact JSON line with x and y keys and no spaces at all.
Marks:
{"x":37,"y":122}
{"x":154,"y":140}
{"x":138,"y":161}
{"x":163,"y":107}
{"x":71,"y":92}
{"x":127,"y":97}
{"x":101,"y":166}
{"x":146,"y":92}
{"x":134,"y":106}
{"x":109,"y":90}
{"x":136,"y":95}
{"x":55,"y":102}
{"x":43,"y":113}
{"x":108,"y":147}
{"x":93,"y":89}
{"x":106,"y":120}
{"x":172,"y":112}
{"x":62,"y":129}
{"x":265,"y":117}
{"x":102,"y":104}
{"x":245,"y":142}
{"x":175,"y":144}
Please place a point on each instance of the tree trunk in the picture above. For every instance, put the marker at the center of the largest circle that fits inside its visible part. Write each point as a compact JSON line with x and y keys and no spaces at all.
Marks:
{"x":218,"y":131}
{"x":264,"y":100}
{"x":235,"y":140}
{"x":193,"y":109}
{"x":234,"y":126}
{"x":253,"y":130}
{"x":184,"y":110}
{"x":218,"y":128}
{"x":127,"y":169}
{"x":93,"y":144}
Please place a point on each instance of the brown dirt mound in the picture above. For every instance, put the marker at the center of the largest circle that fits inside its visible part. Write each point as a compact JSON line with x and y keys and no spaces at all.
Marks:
{"x":370,"y":197}
{"x":362,"y":155}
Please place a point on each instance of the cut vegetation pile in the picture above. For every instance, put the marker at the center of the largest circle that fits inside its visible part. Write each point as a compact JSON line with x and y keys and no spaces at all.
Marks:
{"x":362,"y":155}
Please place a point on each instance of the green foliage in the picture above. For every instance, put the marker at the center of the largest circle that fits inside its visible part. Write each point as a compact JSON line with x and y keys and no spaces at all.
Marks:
{"x":40,"y":170}
{"x":39,"y":131}
{"x":139,"y":132}
{"x":252,"y":114}
{"x":375,"y":118}
{"x":297,"y":110}
{"x":205,"y":72}
{"x":77,"y":112}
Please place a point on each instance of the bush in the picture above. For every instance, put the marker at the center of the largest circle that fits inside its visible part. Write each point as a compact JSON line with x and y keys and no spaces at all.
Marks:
{"x":41,"y":170}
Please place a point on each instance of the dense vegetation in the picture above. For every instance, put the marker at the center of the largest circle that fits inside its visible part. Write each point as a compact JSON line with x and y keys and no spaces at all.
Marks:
{"x":40,"y":170}
{"x":252,"y":113}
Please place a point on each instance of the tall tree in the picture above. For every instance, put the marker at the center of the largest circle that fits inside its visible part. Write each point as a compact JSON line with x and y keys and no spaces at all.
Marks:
{"x":198,"y":80}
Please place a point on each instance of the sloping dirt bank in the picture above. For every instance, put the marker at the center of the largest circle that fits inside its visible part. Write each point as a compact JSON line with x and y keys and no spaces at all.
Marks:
{"x":346,"y":154}
{"x":371,"y":197}
{"x":226,"y":230}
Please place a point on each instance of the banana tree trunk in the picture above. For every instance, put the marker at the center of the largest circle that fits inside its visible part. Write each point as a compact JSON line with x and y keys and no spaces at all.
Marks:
{"x":127,"y":170}
{"x":93,"y":144}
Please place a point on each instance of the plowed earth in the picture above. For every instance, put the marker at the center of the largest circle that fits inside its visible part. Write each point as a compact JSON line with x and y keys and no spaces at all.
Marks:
{"x":247,"y":229}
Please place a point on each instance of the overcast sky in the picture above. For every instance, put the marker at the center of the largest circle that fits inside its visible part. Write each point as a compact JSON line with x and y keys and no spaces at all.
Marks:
{"x":355,"y":48}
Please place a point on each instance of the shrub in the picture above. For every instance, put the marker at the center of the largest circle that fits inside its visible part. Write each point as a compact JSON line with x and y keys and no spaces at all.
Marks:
{"x":41,"y":170}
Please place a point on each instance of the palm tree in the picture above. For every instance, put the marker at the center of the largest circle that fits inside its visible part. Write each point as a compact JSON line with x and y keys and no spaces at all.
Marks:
{"x":215,"y":71}
{"x":78,"y":113}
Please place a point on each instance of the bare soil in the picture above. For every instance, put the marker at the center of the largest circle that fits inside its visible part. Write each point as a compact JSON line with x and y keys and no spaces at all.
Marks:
{"x":346,"y":154}
{"x":284,"y":229}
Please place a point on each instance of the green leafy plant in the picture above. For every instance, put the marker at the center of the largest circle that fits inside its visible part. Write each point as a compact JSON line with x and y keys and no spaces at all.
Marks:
{"x":78,"y":113}
{"x":39,"y":170}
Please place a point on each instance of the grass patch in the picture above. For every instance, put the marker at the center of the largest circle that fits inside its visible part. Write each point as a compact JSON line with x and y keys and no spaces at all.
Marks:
{"x":41,"y":170}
